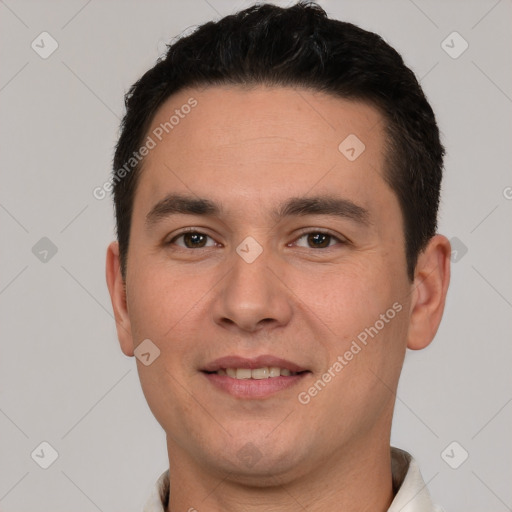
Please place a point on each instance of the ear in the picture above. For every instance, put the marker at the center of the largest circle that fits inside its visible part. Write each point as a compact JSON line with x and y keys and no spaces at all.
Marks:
{"x":431,"y":280}
{"x":117,"y":290}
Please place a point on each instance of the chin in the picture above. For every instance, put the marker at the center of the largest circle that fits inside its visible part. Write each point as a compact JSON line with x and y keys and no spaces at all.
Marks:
{"x":259,"y":463}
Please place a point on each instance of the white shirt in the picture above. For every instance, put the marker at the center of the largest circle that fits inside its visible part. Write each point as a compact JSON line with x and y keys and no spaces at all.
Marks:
{"x":412,"y":495}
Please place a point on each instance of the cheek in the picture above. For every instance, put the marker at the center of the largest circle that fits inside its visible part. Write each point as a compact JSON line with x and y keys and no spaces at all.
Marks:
{"x":346,"y":299}
{"x":160,"y":299}
{"x":359,"y":314}
{"x":365,"y":358}
{"x":163,"y":308}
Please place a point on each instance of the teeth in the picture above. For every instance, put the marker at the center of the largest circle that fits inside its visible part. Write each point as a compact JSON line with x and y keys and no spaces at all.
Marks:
{"x":274,"y":371}
{"x":257,"y":373}
{"x":243,"y":373}
{"x":260,"y":373}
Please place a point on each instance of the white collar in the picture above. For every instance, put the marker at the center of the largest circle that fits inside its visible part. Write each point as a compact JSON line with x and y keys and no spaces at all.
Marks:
{"x":412,"y":495}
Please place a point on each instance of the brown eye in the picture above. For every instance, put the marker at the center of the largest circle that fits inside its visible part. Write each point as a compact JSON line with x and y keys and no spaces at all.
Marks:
{"x":318,"y":240}
{"x":192,"y":240}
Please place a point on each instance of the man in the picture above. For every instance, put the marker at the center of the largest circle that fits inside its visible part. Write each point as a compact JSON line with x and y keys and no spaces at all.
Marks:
{"x":276,"y":186}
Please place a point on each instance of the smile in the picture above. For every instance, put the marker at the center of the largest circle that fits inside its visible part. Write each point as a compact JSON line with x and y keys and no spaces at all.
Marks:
{"x":257,"y":373}
{"x":254,"y":383}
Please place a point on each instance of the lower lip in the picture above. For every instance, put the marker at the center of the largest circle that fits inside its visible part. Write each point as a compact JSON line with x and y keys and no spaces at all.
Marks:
{"x":253,"y":388}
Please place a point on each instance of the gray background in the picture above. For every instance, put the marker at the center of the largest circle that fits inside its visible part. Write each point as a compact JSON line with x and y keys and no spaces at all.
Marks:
{"x":63,"y":377}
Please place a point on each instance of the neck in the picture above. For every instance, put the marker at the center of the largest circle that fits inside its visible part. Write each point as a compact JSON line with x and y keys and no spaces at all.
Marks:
{"x":354,"y":478}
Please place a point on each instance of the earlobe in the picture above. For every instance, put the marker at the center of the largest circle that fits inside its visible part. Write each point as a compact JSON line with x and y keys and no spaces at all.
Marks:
{"x":116,"y":288}
{"x":431,"y":280}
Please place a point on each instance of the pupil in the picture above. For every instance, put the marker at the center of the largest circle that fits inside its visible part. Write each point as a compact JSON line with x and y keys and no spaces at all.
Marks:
{"x":316,"y":237}
{"x":193,"y":238}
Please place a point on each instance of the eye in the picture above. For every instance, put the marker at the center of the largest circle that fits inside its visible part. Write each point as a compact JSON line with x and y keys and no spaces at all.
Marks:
{"x":192,"y":240}
{"x":319,"y":240}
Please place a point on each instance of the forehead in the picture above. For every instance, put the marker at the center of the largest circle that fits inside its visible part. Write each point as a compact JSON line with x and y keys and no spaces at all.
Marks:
{"x":252,"y":140}
{"x":232,"y":115}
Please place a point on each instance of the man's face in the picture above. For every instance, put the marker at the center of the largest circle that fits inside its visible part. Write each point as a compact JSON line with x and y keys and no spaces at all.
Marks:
{"x":321,"y":280}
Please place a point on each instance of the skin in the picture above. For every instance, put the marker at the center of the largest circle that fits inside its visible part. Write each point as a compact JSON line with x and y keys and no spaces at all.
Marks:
{"x":252,"y":149}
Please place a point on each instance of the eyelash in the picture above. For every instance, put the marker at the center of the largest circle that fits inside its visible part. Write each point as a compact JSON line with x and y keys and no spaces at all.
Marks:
{"x":341,"y":240}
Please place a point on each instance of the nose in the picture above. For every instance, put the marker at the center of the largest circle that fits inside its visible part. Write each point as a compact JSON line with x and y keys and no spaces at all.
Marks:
{"x":253,"y":296}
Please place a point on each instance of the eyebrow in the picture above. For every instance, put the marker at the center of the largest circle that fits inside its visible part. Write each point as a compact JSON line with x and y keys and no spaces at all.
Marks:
{"x":174,"y":204}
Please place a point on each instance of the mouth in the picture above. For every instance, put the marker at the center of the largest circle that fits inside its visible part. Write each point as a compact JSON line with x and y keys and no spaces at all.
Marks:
{"x":254,"y":378}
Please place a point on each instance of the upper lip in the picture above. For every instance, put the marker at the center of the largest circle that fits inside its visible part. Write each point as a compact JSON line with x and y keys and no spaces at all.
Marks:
{"x":252,"y":363}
